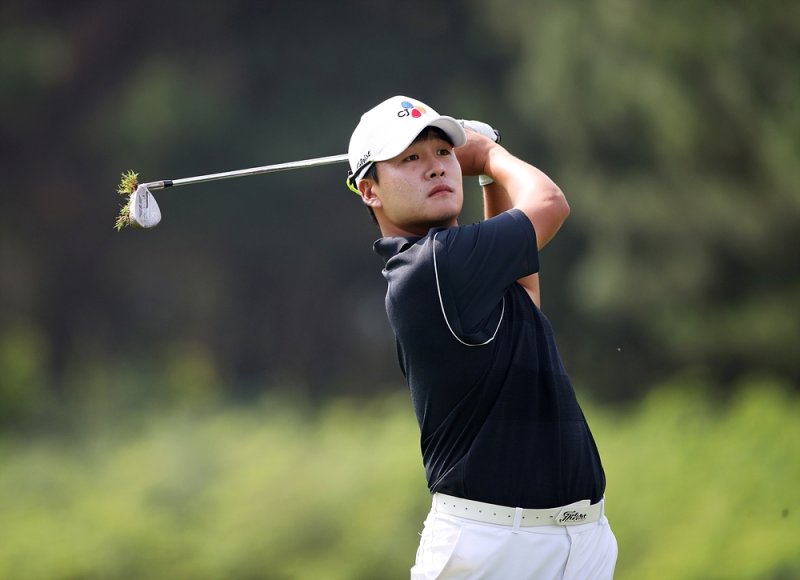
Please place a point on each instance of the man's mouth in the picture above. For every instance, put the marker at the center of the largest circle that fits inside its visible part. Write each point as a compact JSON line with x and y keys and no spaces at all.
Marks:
{"x":439,"y":190}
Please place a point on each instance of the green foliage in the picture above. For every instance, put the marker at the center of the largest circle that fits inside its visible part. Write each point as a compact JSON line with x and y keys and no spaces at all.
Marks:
{"x":23,"y":396}
{"x":129,"y":183}
{"x":702,"y":489}
{"x":672,"y":128}
{"x":697,"y":489}
{"x":268,"y":492}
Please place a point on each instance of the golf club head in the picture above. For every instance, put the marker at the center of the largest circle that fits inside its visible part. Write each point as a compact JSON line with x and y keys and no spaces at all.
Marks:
{"x":144,"y":212}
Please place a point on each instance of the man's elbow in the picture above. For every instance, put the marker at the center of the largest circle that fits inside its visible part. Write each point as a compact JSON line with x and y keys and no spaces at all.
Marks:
{"x":558,"y":205}
{"x":549,"y":216}
{"x":548,"y":209}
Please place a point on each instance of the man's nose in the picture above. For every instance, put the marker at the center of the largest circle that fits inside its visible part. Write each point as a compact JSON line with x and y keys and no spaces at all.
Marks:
{"x":436,"y":169}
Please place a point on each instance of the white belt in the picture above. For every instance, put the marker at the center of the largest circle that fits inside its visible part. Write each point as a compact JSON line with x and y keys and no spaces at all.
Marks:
{"x":581,"y":512}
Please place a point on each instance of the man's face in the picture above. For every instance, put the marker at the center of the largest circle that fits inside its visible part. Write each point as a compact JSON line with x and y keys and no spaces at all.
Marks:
{"x":419,"y":189}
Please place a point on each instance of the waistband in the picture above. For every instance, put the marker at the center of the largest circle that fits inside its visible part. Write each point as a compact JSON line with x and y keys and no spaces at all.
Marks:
{"x":580,"y":512}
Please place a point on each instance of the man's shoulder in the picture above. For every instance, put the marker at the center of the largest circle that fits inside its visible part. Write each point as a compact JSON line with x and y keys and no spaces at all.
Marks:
{"x":389,"y":246}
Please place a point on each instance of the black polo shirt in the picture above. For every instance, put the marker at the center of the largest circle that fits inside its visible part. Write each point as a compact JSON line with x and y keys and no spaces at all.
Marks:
{"x":498,"y":416}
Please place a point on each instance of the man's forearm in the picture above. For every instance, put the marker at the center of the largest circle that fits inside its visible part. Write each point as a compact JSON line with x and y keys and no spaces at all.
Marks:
{"x":521,"y":185}
{"x":495,"y":200}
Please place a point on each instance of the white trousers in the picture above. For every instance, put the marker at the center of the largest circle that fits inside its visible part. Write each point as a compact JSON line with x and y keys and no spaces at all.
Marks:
{"x":458,"y":548}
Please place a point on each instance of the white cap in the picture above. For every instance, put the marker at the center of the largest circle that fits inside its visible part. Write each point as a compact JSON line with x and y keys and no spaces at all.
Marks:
{"x":388,"y":129}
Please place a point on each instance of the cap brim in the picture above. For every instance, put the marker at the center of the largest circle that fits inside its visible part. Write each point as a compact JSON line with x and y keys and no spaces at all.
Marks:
{"x":451,"y":127}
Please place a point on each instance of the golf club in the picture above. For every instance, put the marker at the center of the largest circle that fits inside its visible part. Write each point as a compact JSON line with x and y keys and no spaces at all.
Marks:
{"x":142,"y":211}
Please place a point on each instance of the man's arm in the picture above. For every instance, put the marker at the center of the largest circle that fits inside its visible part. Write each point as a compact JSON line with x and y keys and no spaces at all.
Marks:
{"x":495,"y":202}
{"x":517,"y":185}
{"x":516,"y":182}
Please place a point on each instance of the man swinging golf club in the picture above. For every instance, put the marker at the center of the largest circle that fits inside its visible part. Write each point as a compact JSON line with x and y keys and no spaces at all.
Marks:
{"x":516,"y":477}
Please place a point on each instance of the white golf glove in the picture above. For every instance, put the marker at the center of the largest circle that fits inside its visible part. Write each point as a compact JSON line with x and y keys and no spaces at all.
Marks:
{"x":482,"y":128}
{"x":487,"y":131}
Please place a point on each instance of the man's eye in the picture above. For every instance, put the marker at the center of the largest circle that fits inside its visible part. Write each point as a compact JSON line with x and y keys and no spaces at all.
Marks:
{"x":412,"y":157}
{"x":444,"y":152}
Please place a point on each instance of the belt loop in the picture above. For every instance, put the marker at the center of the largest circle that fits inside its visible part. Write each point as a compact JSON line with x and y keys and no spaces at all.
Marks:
{"x":517,"y":520}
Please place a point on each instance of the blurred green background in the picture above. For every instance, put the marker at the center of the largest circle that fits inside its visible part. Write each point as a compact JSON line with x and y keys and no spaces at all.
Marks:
{"x":219,"y":397}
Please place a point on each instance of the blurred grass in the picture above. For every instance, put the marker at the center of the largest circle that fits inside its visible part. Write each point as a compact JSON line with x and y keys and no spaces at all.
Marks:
{"x":697,"y":489}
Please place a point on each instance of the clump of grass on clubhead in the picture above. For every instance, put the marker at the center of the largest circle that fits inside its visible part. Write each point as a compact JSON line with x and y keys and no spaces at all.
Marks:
{"x":129,"y":183}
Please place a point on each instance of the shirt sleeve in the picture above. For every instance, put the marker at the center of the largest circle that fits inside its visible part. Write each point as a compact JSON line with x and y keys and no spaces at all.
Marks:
{"x":474,"y":267}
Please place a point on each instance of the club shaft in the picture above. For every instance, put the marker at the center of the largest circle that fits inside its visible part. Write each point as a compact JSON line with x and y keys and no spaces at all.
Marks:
{"x":245,"y":172}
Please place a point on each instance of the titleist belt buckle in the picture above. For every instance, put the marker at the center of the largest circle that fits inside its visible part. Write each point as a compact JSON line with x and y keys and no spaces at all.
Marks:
{"x":575,"y":514}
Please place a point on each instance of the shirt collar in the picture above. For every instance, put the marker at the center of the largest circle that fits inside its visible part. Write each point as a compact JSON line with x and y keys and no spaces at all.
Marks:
{"x":388,"y":248}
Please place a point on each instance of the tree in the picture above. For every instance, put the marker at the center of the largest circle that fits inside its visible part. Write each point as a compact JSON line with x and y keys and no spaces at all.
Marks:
{"x":673,"y":128}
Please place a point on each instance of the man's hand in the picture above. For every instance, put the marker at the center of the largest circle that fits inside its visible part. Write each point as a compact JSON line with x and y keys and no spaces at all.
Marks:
{"x":473,"y":154}
{"x":517,"y":184}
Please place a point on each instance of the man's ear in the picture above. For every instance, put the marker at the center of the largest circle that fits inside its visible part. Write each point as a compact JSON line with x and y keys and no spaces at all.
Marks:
{"x":368,"y":193}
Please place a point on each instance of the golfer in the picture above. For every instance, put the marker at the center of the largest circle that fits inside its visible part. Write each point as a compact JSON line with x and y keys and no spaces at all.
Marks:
{"x":516,"y":477}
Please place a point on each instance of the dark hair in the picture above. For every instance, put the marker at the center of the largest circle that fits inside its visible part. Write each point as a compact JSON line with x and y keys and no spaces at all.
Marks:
{"x":424,"y":135}
{"x":433,"y":133}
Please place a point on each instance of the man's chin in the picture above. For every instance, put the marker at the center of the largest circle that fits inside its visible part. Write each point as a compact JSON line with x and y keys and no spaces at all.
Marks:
{"x":441,"y":221}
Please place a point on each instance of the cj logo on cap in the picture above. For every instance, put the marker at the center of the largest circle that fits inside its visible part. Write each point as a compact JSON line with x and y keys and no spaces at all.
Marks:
{"x":409,"y":110}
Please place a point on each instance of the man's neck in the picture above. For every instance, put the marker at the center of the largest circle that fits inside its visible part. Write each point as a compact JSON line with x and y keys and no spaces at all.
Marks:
{"x":390,"y":230}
